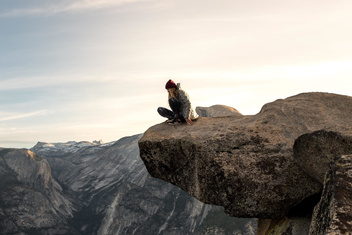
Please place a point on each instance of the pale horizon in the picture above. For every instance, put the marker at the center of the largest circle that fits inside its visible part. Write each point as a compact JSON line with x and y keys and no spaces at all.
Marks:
{"x":91,"y":70}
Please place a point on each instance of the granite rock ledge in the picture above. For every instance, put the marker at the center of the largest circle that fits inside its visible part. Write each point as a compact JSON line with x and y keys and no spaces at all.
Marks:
{"x":246,"y":163}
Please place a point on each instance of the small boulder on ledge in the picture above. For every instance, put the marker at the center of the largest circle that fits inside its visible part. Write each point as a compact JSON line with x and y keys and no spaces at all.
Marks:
{"x":217,"y":111}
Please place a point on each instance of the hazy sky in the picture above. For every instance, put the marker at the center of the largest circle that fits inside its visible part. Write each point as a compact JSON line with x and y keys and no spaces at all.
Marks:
{"x":96,"y":69}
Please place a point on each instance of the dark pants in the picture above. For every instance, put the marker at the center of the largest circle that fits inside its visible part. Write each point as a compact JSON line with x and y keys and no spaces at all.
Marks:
{"x":175,"y":106}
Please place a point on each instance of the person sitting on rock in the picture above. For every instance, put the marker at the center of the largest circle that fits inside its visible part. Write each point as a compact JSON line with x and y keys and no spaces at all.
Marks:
{"x":180,"y":105}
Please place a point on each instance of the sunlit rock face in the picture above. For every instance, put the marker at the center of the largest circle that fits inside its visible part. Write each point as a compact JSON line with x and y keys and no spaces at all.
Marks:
{"x":31,"y":200}
{"x":118,"y":196}
{"x":96,"y":188}
{"x":246,"y":163}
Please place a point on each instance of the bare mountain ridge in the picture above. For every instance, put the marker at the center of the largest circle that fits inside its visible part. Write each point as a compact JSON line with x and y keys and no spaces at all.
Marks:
{"x":30,"y":197}
{"x":106,"y":190}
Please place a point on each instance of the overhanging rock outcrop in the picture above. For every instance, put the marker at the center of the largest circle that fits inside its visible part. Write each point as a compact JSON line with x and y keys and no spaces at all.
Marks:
{"x":315,"y":152}
{"x":324,"y":155}
{"x":333,"y":214}
{"x":246,"y":163}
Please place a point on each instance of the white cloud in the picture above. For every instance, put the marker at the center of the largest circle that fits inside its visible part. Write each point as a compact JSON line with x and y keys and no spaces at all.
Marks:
{"x":12,"y":116}
{"x":96,"y":4}
{"x":28,"y":82}
{"x":68,"y":6}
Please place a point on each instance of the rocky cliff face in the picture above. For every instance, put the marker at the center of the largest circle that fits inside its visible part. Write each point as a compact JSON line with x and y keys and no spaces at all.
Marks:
{"x":105,"y":189}
{"x":324,"y":156}
{"x":246,"y":163}
{"x":30,"y":199}
{"x":117,"y":190}
{"x":316,"y":151}
{"x":333,"y":214}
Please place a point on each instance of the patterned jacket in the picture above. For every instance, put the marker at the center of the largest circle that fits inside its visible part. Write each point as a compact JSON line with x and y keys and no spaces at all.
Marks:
{"x":187,"y":110}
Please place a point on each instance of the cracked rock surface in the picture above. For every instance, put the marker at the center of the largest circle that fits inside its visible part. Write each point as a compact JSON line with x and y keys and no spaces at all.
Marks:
{"x":246,"y":163}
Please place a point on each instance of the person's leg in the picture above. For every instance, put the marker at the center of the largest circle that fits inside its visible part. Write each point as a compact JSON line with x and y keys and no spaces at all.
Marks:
{"x":164,"y":112}
{"x":175,"y":105}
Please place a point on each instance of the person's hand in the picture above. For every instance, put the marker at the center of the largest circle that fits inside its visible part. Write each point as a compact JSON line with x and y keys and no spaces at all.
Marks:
{"x":189,"y":121}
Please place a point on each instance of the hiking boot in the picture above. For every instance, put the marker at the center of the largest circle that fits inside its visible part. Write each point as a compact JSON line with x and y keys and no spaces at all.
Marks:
{"x":169,"y":120}
{"x":174,"y":122}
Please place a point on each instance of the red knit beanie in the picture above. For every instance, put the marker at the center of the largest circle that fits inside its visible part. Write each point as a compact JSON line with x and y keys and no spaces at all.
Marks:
{"x":170,"y":84}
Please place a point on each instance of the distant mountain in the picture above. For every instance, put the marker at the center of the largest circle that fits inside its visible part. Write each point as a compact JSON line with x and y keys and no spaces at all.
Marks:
{"x":114,"y":194}
{"x":31,"y":201}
